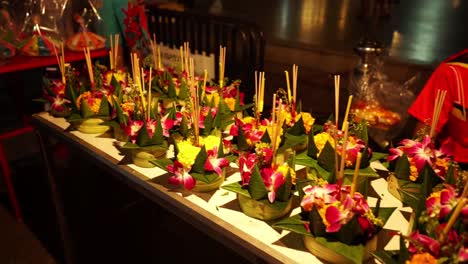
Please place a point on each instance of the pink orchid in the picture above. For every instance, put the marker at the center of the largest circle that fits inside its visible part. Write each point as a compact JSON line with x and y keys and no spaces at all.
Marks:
{"x":213,"y":163}
{"x":335,"y":217}
{"x":273,"y":179}
{"x":132,"y":129}
{"x":319,"y":195}
{"x":422,"y":152}
{"x":58,"y":103}
{"x":246,"y":165}
{"x":440,"y":204}
{"x":422,"y":243}
{"x":151,"y":126}
{"x":181,"y":176}
{"x":167,"y":124}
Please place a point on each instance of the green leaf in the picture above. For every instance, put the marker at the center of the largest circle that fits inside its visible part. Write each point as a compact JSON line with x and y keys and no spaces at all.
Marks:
{"x":104,"y":108}
{"x":220,"y":149}
{"x":404,"y":253}
{"x":385,"y":213}
{"x":199,"y":164}
{"x":378,"y":156}
{"x":143,"y":138}
{"x":384,"y":257}
{"x":257,"y":188}
{"x":162,"y":163}
{"x":305,"y":160}
{"x":184,"y":128}
{"x":158,"y":138}
{"x":236,"y":188}
{"x":284,"y":191}
{"x":266,"y":137}
{"x":241,"y":141}
{"x":205,"y":177}
{"x":184,"y":92}
{"x":294,"y":224}
{"x":355,"y":253}
{"x":361,"y":131}
{"x":208,"y":123}
{"x":291,"y":141}
{"x":298,"y":129}
{"x":116,"y":85}
{"x":86,"y":111}
{"x":312,"y":150}
{"x":402,"y":168}
{"x":365,"y":157}
{"x":171,"y":90}
{"x":121,"y":117}
{"x":326,"y":158}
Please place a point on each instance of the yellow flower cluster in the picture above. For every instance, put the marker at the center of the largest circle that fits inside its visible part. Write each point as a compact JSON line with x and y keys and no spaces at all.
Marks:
{"x":128,"y":107}
{"x":120,"y":76}
{"x":96,"y":102}
{"x":210,"y":141}
{"x":187,"y":153}
{"x":306,"y":118}
{"x":321,"y":139}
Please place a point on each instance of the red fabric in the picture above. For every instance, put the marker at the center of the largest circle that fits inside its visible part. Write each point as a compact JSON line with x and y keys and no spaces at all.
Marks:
{"x":450,"y":128}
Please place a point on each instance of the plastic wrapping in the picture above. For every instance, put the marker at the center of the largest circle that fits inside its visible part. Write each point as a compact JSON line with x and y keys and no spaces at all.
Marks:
{"x":85,"y":36}
{"x":8,"y":31}
{"x":383,"y":103}
{"x":43,"y":30}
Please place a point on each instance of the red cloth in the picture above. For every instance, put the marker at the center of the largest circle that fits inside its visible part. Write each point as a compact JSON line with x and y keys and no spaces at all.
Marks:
{"x":451,"y":127}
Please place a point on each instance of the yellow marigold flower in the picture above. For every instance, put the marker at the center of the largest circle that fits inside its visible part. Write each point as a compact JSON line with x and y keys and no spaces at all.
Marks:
{"x":422,"y":258}
{"x":231,"y":103}
{"x":128,"y":107}
{"x":94,"y":103}
{"x":413,"y":170}
{"x":321,"y":139}
{"x":187,"y":153}
{"x":308,"y":121}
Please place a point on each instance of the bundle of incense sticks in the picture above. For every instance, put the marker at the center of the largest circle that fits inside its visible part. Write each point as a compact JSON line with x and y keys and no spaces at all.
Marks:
{"x":61,"y":62}
{"x":277,"y":119}
{"x":439,"y":102}
{"x":156,"y":53}
{"x":259,"y":92}
{"x":89,"y":65}
{"x":114,"y":51}
{"x":138,"y":78}
{"x":195,"y":113}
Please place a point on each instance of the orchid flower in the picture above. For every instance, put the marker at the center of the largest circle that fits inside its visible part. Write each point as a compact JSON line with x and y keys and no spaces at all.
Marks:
{"x":167,"y":124}
{"x":132,"y":129}
{"x":336,"y":214}
{"x":58,"y":103}
{"x":319,"y":195}
{"x":246,"y":165}
{"x":273,"y":179}
{"x":181,"y":176}
{"x":213,"y":163}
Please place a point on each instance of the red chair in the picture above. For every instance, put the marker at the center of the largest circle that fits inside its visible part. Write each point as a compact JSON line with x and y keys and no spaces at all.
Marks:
{"x":6,"y":167}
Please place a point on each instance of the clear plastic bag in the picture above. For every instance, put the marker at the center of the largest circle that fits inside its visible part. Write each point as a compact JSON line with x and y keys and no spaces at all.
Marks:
{"x":383,"y":103}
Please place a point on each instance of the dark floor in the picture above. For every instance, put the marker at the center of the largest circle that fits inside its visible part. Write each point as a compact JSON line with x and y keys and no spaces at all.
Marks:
{"x":318,"y":35}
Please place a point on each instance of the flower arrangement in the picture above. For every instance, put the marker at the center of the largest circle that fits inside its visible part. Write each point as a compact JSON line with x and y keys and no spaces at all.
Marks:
{"x":415,"y":164}
{"x":336,"y":222}
{"x":439,"y":234}
{"x":266,"y":170}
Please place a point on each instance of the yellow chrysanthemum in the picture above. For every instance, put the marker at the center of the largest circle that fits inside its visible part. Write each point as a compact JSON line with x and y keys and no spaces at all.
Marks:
{"x":413,"y":170}
{"x":210,"y":142}
{"x":187,"y":153}
{"x":321,"y":139}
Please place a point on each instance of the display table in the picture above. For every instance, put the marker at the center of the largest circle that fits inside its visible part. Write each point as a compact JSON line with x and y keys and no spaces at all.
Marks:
{"x":217,"y":214}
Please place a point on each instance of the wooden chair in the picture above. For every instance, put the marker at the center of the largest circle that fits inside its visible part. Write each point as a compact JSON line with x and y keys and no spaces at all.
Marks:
{"x":244,"y":42}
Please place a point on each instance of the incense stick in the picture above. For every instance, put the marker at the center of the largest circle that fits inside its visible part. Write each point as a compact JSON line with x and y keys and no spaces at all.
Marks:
{"x":89,"y":65}
{"x":61,"y":62}
{"x":439,"y":102}
{"x":356,"y":173}
{"x":294,"y":81}
{"x":348,"y":106}
{"x":337,"y":98}
{"x":195,"y":113}
{"x":149,"y":91}
{"x":259,"y":92}
{"x":222,"y":65}
{"x":288,"y":85}
{"x":343,"y":151}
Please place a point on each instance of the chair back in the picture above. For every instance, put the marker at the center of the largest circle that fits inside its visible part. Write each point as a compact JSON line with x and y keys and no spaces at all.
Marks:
{"x":244,"y":42}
